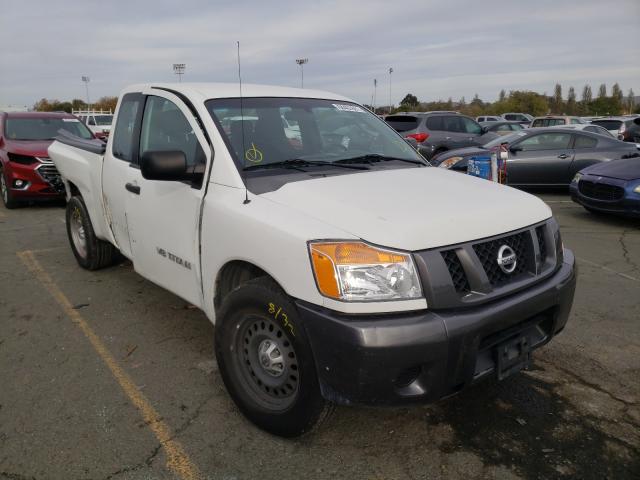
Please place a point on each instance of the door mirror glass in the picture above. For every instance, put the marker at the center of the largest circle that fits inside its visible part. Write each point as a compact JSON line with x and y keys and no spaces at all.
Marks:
{"x":165,"y":165}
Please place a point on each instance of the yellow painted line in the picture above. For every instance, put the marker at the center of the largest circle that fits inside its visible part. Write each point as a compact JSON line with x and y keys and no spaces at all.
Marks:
{"x":177,"y":459}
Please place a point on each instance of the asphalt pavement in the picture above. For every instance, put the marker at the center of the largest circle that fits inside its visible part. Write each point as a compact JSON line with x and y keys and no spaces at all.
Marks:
{"x":104,"y":375}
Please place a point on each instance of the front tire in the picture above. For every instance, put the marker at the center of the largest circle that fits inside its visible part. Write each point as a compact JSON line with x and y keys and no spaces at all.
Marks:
{"x":5,"y":192}
{"x":90,"y":252}
{"x":266,"y":361}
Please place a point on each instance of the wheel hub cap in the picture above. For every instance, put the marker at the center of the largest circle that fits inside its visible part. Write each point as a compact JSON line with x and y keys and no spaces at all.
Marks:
{"x":271,"y":358}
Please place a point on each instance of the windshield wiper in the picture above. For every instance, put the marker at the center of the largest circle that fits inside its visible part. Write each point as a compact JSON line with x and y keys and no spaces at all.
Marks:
{"x":374,"y":157}
{"x":296,"y":163}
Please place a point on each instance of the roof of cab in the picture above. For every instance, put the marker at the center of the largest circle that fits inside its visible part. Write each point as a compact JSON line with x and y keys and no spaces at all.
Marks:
{"x":207,"y":91}
{"x":38,"y":114}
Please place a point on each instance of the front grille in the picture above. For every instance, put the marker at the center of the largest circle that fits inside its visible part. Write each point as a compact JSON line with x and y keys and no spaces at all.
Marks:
{"x":487,"y":253}
{"x":458,"y":276}
{"x":542,"y":243}
{"x":600,"y":191}
{"x":50,"y":174}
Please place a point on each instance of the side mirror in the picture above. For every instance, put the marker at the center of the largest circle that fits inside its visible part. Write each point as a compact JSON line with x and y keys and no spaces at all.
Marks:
{"x":171,"y":166}
{"x":484,"y":130}
{"x":412,"y":141}
{"x":515,"y":148}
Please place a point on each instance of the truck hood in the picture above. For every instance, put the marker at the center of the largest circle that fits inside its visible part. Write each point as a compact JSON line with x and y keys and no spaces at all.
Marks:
{"x":33,"y":148}
{"x":413,"y":208}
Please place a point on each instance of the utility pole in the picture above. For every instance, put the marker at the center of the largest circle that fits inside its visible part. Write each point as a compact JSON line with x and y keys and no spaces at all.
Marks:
{"x":178,"y":69}
{"x":86,"y":79}
{"x":301,"y":62}
{"x":390,"y":104}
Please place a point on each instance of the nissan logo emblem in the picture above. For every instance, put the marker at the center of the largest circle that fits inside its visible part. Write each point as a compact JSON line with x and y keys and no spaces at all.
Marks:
{"x":507,"y":259}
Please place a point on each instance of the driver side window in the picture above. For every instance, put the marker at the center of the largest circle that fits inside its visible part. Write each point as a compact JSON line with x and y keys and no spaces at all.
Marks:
{"x":166,"y":129}
{"x":546,"y":141}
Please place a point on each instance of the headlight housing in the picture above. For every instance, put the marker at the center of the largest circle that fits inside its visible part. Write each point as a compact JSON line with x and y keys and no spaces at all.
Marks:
{"x":576,"y":178}
{"x":637,"y":189}
{"x":357,"y":272}
{"x":450,"y":162}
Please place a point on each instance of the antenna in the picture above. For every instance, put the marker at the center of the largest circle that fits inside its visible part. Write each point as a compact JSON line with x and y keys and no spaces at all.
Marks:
{"x":244,"y":177}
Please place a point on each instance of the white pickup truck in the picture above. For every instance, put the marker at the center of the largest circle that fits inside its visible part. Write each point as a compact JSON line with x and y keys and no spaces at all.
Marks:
{"x":336,"y":264}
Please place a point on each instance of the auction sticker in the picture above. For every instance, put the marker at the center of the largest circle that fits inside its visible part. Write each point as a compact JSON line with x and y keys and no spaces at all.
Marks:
{"x":348,"y":108}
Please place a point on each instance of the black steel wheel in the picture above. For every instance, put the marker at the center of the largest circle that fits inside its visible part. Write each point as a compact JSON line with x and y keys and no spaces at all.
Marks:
{"x":266,"y":361}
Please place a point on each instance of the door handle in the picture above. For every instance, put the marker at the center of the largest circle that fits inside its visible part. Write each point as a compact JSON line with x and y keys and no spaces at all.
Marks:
{"x":563,"y":156}
{"x":132,"y":188}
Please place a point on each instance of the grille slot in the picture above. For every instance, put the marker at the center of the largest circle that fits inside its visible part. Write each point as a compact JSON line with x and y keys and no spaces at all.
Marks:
{"x":600,"y":191}
{"x":50,"y":174}
{"x":542,"y":243}
{"x":456,"y":271}
{"x":487,"y":253}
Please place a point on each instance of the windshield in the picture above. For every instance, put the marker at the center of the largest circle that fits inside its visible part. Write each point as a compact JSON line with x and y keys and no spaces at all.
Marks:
{"x":45,"y":128}
{"x":505,"y":139}
{"x":103,"y":120}
{"x":276,"y":130}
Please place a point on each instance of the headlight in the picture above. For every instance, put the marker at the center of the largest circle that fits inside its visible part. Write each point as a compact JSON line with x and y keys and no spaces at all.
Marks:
{"x":450,"y":162}
{"x":576,"y":178}
{"x":637,"y":189}
{"x":355,"y":271}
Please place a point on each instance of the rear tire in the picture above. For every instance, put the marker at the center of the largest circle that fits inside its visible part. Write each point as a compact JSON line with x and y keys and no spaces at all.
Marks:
{"x":90,"y":252}
{"x":266,"y":361}
{"x":5,"y":192}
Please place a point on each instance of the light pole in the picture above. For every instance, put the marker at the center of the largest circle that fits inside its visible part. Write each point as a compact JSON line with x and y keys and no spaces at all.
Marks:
{"x":390,"y":104}
{"x":301,"y":62}
{"x":178,"y":69}
{"x":375,"y":85}
{"x":86,"y":79}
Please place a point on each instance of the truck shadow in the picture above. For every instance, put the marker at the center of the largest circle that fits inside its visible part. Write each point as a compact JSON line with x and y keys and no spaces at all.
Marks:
{"x":524,"y":423}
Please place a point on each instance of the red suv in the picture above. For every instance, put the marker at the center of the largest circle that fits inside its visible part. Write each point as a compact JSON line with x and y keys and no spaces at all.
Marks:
{"x":26,"y":172}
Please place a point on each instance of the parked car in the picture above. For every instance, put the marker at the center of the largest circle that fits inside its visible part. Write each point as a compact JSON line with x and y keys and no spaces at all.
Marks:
{"x":439,"y":132}
{"x":612,"y":187}
{"x":325,"y":279}
{"x":521,"y":118}
{"x":545,"y":156}
{"x":26,"y":172}
{"x":587,"y":127}
{"x":502,"y":127}
{"x":555,"y":120}
{"x":632,"y":131}
{"x":488,"y":119}
{"x":615,"y":125}
{"x":98,"y":121}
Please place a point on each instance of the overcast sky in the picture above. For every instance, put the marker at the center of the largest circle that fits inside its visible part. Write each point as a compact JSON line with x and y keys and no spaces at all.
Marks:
{"x":438,"y":49}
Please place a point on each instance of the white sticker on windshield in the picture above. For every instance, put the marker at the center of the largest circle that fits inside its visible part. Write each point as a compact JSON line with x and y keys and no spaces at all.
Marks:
{"x":72,"y":120}
{"x":348,"y":108}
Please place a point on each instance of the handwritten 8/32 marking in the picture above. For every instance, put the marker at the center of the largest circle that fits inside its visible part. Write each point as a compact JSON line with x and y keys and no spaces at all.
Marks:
{"x":277,"y":312}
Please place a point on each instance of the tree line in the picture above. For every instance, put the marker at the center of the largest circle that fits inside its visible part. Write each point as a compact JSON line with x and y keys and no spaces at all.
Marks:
{"x":534,"y":103}
{"x":46,"y":105}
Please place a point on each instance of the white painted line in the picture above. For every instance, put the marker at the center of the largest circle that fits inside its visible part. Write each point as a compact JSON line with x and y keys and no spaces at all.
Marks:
{"x":607,"y":269}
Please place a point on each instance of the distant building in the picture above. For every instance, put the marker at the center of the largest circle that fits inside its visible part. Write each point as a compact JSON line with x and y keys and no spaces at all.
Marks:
{"x":13,"y":108}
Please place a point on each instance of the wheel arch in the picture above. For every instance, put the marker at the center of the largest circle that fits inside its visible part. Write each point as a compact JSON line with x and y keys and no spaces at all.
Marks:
{"x":233,"y":274}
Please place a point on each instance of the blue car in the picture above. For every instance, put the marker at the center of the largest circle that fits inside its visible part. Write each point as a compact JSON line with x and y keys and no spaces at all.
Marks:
{"x":610,"y":187}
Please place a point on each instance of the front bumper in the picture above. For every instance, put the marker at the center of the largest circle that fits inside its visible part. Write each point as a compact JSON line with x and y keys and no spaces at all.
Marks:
{"x":427,"y":355}
{"x":628,"y":205}
{"x":35,"y":183}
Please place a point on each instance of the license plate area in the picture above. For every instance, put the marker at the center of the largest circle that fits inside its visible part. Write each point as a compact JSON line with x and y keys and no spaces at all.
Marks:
{"x":512,"y":355}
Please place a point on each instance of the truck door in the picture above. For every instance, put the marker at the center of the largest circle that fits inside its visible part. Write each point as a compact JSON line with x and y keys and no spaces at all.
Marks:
{"x":542,"y":159}
{"x":164,"y":216}
{"x":121,"y":153}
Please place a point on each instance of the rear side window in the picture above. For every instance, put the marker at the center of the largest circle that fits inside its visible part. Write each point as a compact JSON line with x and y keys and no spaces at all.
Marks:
{"x":582,"y":141}
{"x":125,"y":129}
{"x":510,"y":117}
{"x":402,"y":123}
{"x":608,"y":124}
{"x":435,"y":123}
